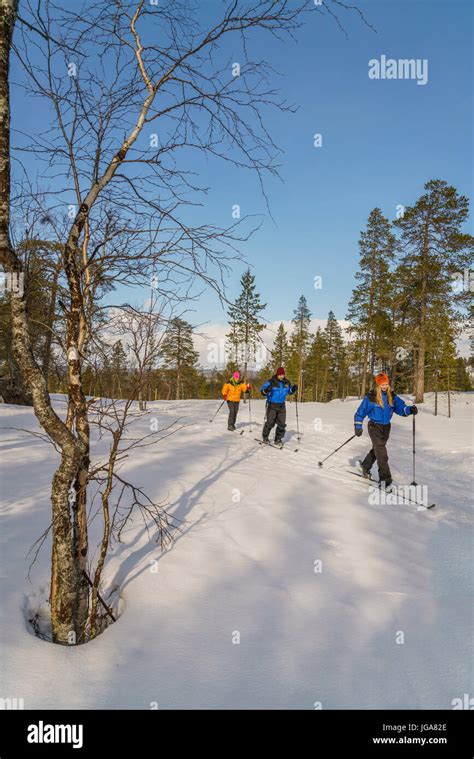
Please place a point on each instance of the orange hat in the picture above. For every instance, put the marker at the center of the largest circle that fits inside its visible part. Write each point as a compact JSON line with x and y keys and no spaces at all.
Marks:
{"x":381,"y":379}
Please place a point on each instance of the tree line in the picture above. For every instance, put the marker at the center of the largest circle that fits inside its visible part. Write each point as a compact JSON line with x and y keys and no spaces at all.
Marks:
{"x":410,"y":303}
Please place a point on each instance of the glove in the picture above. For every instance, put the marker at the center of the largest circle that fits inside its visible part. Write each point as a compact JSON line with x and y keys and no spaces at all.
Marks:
{"x":265,"y":392}
{"x":249,"y":387}
{"x":294,"y":388}
{"x":357,"y":431}
{"x":225,"y":397}
{"x":413,"y":410}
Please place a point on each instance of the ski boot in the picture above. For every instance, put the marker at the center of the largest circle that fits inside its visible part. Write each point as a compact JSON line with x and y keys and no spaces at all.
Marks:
{"x":387,"y":485}
{"x":365,"y":472}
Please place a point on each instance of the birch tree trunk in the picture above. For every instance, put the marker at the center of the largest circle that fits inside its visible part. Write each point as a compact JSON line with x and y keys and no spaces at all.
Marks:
{"x":67,"y":601}
{"x":50,"y":322}
{"x":8,"y":10}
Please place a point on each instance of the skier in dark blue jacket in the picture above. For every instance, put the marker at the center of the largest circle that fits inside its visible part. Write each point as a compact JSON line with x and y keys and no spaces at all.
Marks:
{"x":379,"y":405}
{"x":276,"y":390}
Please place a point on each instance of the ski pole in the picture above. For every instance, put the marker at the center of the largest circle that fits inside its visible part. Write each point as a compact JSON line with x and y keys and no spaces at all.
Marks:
{"x":298,"y":437}
{"x":320,"y":463}
{"x":266,"y":413}
{"x":413,"y":483}
{"x":250,"y":414}
{"x":211,"y":420}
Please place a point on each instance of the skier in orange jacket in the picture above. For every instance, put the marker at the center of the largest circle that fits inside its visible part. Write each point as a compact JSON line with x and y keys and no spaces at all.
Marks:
{"x":231,"y":391}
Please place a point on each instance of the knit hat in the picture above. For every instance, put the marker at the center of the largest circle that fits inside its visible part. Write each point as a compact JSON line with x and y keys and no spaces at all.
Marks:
{"x":279,"y":371}
{"x":381,"y":379}
{"x":236,"y":375}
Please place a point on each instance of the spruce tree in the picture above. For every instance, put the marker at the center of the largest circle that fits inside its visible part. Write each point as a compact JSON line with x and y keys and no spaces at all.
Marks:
{"x":245,"y":323}
{"x":118,"y":369}
{"x":280,"y":349}
{"x":353,"y":382}
{"x":337,"y":363}
{"x":179,"y":356}
{"x":300,"y":342}
{"x":370,"y":305}
{"x":316,"y":366}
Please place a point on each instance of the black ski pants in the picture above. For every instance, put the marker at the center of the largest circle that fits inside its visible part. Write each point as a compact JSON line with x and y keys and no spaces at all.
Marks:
{"x":233,"y":411}
{"x":379,"y":434}
{"x":276,"y":414}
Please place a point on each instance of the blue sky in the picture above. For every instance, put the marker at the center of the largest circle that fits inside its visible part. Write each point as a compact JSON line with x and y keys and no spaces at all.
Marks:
{"x":382,"y":140}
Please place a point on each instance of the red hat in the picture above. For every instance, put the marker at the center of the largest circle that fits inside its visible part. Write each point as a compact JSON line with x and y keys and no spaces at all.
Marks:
{"x":382,"y":379}
{"x":279,"y":371}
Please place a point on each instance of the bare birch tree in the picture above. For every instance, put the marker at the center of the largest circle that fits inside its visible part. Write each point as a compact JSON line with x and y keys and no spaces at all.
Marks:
{"x":126,"y":112}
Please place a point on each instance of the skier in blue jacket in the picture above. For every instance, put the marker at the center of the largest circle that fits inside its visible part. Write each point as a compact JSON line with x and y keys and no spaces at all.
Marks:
{"x":379,"y":405}
{"x":275,"y":390}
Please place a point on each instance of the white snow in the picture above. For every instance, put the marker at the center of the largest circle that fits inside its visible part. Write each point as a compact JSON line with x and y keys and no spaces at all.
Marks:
{"x":255,"y":522}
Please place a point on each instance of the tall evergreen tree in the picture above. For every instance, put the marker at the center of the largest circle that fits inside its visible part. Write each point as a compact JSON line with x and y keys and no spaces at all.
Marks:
{"x":118,"y":369}
{"x":245,"y":322}
{"x":179,"y":357}
{"x":369,"y":307}
{"x":280,"y":350}
{"x":434,"y":248}
{"x":354,"y":350}
{"x":335,"y":377}
{"x":300,"y":342}
{"x":316,"y":366}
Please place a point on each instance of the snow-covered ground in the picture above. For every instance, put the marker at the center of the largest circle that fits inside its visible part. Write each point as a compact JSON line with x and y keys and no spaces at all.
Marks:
{"x":334,"y":600}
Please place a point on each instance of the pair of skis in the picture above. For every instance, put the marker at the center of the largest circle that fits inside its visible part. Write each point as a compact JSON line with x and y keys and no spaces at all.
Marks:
{"x":267,"y":442}
{"x":356,"y":474}
{"x":405,"y":498}
{"x":280,"y":446}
